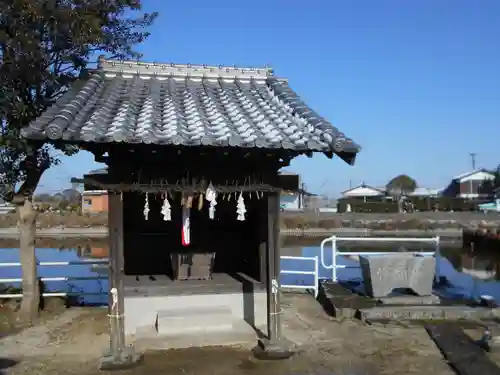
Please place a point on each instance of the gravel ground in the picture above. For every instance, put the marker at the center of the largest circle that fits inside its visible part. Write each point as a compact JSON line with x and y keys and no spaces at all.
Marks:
{"x":73,"y":342}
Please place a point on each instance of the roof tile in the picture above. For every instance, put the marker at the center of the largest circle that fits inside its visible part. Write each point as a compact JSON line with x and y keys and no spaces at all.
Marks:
{"x":185,"y":105}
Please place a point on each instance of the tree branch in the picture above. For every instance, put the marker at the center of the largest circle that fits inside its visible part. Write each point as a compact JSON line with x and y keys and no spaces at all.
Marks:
{"x":33,"y":173}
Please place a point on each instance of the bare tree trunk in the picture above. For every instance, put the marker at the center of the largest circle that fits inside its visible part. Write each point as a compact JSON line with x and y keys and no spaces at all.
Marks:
{"x":26,"y":223}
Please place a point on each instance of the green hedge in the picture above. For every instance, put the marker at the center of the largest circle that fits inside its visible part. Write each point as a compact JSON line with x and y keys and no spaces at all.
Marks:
{"x":419,"y":204}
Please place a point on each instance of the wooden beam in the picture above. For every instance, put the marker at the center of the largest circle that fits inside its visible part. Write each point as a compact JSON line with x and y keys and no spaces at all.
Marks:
{"x":273,"y":267}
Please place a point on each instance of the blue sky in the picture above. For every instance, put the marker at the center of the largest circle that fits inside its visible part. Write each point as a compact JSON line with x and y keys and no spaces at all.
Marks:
{"x":416,"y":83}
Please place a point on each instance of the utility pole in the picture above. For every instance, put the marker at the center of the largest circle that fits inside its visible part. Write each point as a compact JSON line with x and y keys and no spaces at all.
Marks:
{"x":473,"y":160}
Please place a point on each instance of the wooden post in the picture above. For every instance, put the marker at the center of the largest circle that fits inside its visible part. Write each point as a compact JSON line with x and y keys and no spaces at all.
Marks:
{"x":119,"y":356}
{"x":116,"y":274}
{"x":273,"y":268}
{"x":262,"y":232}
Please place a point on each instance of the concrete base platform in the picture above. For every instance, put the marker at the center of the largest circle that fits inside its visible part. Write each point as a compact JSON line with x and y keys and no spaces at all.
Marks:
{"x":157,"y":309}
{"x":195,"y":320}
{"x":425,"y":313}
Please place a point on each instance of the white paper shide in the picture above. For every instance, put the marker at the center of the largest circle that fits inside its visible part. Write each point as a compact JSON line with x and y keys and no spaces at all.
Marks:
{"x":211,"y":197}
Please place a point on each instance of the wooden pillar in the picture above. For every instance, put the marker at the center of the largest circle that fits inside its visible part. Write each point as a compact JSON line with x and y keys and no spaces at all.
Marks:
{"x":116,"y":274}
{"x":273,"y":267}
{"x":262,"y":233}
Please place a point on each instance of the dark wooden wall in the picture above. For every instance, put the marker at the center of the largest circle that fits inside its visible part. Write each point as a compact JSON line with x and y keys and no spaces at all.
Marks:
{"x":149,"y":243}
{"x":239,"y":246}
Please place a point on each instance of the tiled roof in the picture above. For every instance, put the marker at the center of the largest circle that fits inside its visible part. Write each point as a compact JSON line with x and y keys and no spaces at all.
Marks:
{"x":169,"y":104}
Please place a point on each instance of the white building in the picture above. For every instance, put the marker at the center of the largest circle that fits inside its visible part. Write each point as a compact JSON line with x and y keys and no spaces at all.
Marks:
{"x":425,"y":192}
{"x":363,"y":191}
{"x":471,"y":185}
{"x":291,"y":201}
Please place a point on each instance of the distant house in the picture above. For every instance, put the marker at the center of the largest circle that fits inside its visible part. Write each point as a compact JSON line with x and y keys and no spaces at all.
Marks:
{"x":290,"y":201}
{"x":94,"y":201}
{"x":425,"y":193}
{"x":292,"y":197}
{"x":93,"y":252}
{"x":363,"y":191}
{"x":472,"y":185}
{"x":294,"y":200}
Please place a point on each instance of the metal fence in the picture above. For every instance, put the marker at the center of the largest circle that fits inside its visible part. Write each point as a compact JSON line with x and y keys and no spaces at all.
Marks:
{"x":314,"y":272}
{"x":56,"y":278}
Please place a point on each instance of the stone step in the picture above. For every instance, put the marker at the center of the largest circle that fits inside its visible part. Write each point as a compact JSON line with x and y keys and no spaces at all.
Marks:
{"x":194,"y":320}
{"x":241,"y":334}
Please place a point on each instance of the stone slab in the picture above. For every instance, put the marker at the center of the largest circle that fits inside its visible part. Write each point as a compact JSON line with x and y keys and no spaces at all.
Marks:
{"x":384,"y":273}
{"x":425,"y":313}
{"x":410,"y":300}
{"x":192,"y":320}
{"x":340,"y":302}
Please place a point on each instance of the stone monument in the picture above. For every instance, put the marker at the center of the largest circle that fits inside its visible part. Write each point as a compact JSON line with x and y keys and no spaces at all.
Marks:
{"x":384,"y":273}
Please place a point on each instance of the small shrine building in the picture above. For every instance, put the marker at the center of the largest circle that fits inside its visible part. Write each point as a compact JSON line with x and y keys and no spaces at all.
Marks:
{"x":193,"y":154}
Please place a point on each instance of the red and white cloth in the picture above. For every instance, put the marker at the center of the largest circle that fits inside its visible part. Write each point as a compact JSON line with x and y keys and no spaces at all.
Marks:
{"x":186,"y":226}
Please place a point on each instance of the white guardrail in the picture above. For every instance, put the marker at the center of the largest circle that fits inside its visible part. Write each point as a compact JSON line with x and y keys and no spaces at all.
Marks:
{"x":57,"y":278}
{"x":334,"y":240}
{"x":315,"y":286}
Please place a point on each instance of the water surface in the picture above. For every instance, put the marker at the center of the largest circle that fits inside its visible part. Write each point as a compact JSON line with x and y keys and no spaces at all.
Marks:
{"x":470,"y":274}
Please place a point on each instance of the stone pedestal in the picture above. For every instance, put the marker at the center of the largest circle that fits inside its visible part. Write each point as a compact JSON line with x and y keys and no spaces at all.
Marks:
{"x":274,"y":349}
{"x":125,"y":359}
{"x":192,"y":266}
{"x":384,"y":273}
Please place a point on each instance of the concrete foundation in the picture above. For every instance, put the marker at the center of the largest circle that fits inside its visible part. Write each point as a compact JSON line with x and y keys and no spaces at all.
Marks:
{"x":163,"y":310}
{"x":425,"y":312}
{"x":410,"y":300}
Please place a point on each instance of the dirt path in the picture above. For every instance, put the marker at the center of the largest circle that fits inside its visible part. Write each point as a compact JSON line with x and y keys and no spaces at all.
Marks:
{"x":73,"y":342}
